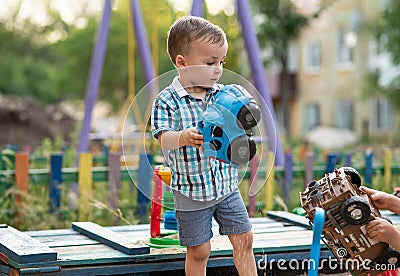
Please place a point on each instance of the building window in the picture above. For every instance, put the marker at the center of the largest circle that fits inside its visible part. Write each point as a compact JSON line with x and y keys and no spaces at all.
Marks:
{"x":312,"y":119}
{"x":382,"y":115}
{"x":313,"y":56}
{"x":345,"y":114}
{"x":346,"y":41}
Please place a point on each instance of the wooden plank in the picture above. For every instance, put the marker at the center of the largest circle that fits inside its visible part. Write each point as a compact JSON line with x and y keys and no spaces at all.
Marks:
{"x":55,"y":185}
{"x":21,"y":248}
{"x":265,"y":222}
{"x":21,"y":176}
{"x":67,"y":243}
{"x":175,"y":264}
{"x":125,"y":269}
{"x":120,"y":229}
{"x":387,"y":170}
{"x":65,"y":238}
{"x":283,"y":230}
{"x":4,"y":270}
{"x":253,"y":186}
{"x":144,"y":184}
{"x":288,"y":179}
{"x":62,"y":240}
{"x":304,"y":222}
{"x":269,"y":186}
{"x":391,"y":215}
{"x":80,"y":255}
{"x":221,"y":246}
{"x":21,"y":183}
{"x":114,"y":179}
{"x":85,"y":185}
{"x":289,"y":217}
{"x":309,"y":168}
{"x":110,"y":238}
{"x":269,"y":242}
{"x":99,"y":254}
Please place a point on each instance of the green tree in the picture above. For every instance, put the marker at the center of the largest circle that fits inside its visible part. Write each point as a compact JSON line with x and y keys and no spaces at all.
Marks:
{"x":26,"y":67}
{"x":385,"y":30}
{"x":50,"y":69}
{"x":77,"y":50}
{"x":280,"y":24}
{"x":31,"y":65}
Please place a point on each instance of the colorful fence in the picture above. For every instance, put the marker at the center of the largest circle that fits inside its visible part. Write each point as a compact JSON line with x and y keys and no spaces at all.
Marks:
{"x":277,"y":181}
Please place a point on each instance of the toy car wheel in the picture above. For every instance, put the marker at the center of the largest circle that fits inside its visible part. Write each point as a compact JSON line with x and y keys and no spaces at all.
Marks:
{"x":354,"y":175}
{"x":215,"y":145}
{"x":313,"y":185}
{"x":315,"y":195}
{"x":390,"y":256}
{"x":241,"y":150}
{"x":355,"y":210}
{"x":248,"y":116}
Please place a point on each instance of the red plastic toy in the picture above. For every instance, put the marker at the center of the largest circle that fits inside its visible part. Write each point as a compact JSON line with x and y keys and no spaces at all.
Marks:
{"x":155,"y":213}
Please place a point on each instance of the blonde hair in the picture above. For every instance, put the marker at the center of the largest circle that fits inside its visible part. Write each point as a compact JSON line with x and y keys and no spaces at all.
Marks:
{"x":187,"y":29}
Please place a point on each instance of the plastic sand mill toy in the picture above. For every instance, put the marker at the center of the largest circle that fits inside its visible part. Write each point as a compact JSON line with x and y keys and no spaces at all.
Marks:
{"x":162,"y":203}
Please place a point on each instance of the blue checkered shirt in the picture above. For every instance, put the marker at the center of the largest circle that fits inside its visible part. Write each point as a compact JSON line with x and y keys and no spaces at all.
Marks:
{"x":194,"y":175}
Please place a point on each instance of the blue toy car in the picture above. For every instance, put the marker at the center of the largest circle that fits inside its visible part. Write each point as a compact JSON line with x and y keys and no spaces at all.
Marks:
{"x":227,"y":124}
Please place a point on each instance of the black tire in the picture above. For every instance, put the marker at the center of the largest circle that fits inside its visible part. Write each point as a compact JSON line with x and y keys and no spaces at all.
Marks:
{"x":217,"y":131}
{"x":313,"y":185}
{"x":215,"y":145}
{"x":315,"y":195}
{"x":241,"y":150}
{"x":248,"y":116}
{"x":355,"y":210}
{"x":390,"y":256}
{"x":354,"y":175}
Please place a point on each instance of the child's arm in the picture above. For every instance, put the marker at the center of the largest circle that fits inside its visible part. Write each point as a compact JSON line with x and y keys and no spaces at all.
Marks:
{"x":383,"y":200}
{"x":382,"y":230}
{"x":177,"y":139}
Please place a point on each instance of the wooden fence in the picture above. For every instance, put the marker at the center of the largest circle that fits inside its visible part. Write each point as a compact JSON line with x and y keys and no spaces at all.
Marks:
{"x":85,"y":174}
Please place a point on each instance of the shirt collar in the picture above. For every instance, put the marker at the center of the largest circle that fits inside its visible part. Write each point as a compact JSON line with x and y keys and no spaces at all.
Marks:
{"x":176,"y":84}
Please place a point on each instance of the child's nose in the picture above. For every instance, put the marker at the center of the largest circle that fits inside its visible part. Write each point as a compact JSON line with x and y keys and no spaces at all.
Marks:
{"x":218,"y":69}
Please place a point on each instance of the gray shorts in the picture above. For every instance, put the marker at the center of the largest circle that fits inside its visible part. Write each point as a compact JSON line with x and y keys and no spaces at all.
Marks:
{"x":195,"y":227}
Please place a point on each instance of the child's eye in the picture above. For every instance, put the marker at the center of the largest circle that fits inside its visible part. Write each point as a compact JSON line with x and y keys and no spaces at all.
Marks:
{"x":213,"y":63}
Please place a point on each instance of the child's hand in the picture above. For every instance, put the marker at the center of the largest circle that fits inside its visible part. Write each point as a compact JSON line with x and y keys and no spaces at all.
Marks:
{"x":382,"y":230}
{"x":382,"y":200}
{"x":192,"y":137}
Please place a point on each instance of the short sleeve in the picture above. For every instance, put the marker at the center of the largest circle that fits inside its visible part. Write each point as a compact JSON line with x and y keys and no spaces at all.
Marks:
{"x":163,"y":117}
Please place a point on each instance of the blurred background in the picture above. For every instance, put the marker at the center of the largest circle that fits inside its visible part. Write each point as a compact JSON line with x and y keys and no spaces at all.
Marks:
{"x":331,"y":66}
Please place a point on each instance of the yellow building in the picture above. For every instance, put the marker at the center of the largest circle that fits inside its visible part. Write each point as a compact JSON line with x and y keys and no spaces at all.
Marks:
{"x":335,"y":54}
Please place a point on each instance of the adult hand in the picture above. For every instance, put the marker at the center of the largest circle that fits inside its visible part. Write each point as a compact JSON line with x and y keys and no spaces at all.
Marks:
{"x":381,"y":200}
{"x":382,"y":230}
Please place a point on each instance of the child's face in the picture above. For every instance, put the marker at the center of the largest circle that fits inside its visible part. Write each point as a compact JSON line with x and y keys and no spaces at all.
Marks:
{"x":203,"y":65}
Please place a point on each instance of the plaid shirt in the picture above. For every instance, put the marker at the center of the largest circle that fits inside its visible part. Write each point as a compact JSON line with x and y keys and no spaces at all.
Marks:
{"x":194,"y":175}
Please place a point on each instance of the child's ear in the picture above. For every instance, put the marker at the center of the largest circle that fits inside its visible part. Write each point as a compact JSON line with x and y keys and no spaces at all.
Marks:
{"x":180,"y":61}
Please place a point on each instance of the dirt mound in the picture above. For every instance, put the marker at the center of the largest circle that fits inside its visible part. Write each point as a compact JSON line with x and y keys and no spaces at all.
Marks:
{"x":24,"y":122}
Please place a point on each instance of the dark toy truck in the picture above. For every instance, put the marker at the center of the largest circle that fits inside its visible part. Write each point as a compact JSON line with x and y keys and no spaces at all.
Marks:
{"x":347,"y":211}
